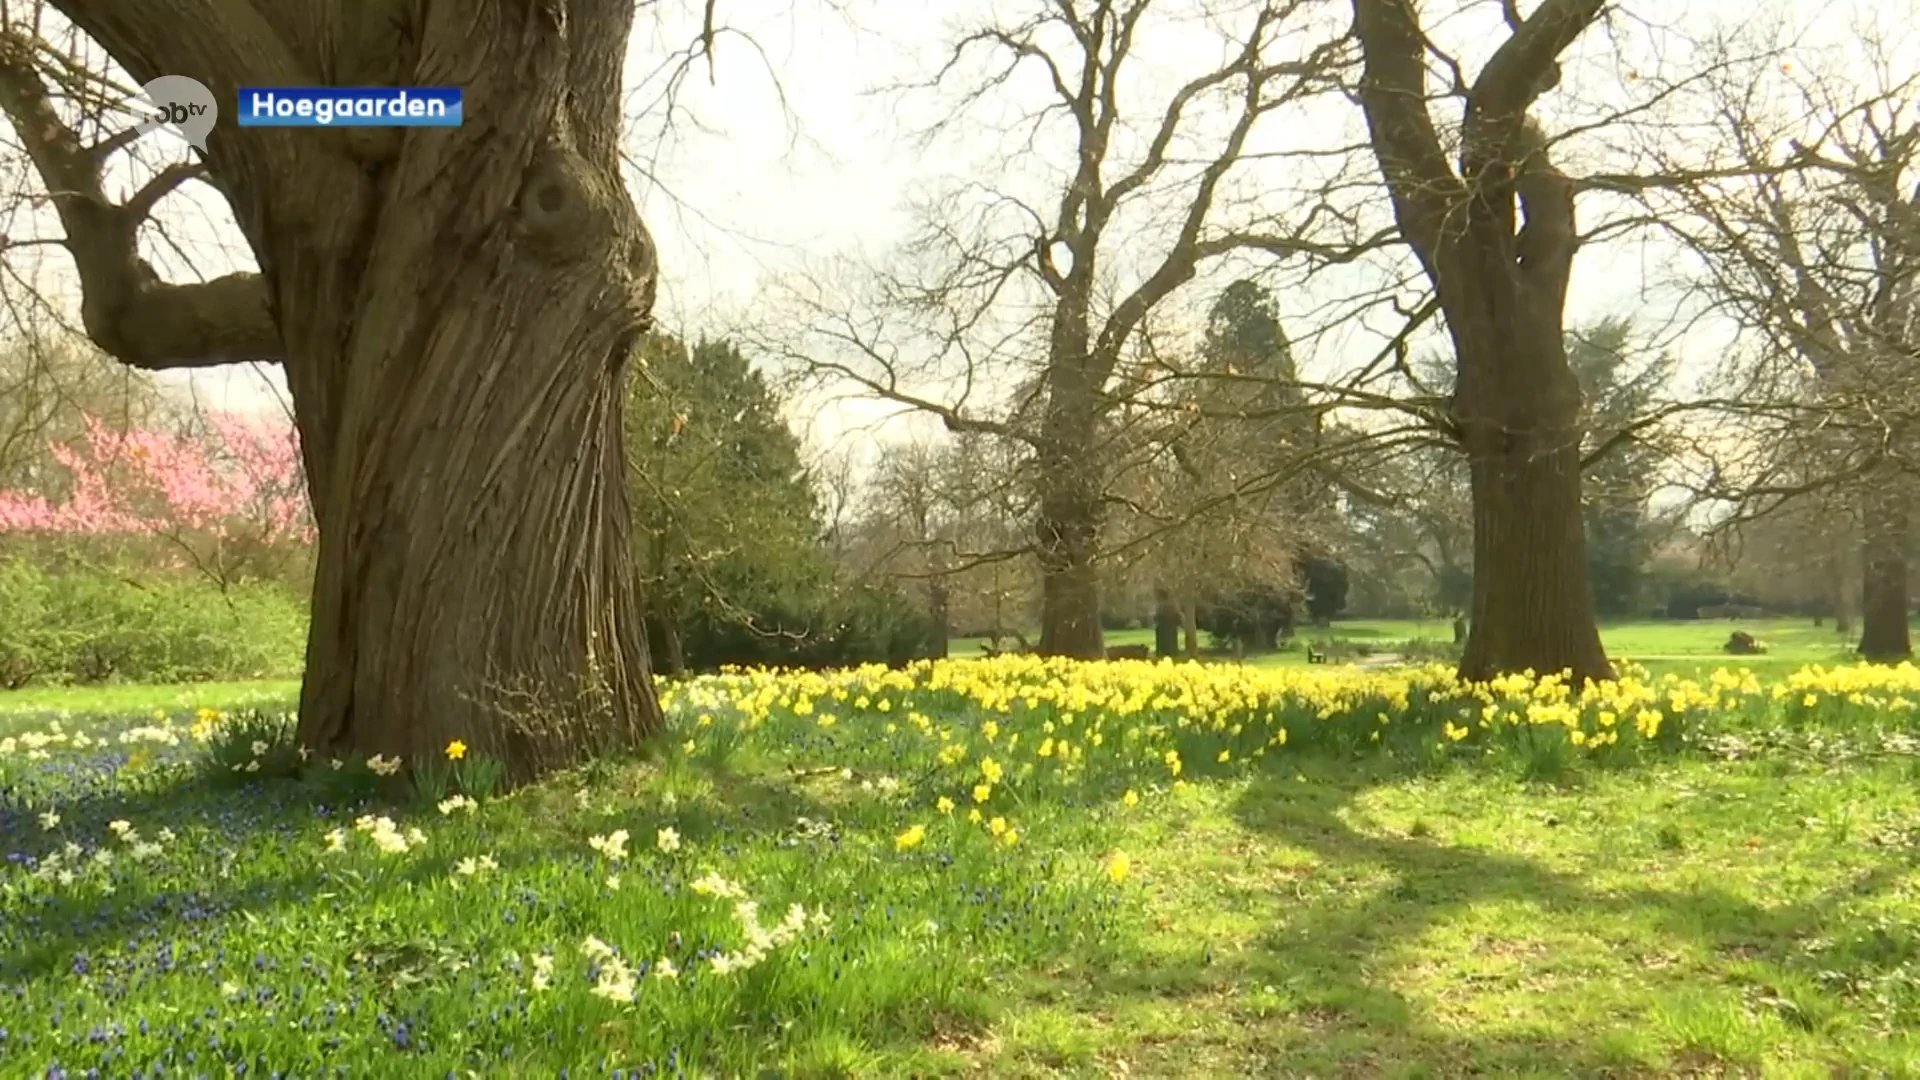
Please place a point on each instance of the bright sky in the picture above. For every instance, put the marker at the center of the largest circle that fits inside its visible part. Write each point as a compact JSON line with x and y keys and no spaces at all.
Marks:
{"x":786,"y":157}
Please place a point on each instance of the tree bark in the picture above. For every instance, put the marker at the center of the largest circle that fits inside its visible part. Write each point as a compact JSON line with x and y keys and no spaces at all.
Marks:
{"x":1884,"y":599}
{"x":476,"y":577}
{"x":1516,"y":404}
{"x":1518,"y":408}
{"x":456,"y":310}
{"x":1190,"y":627}
{"x":483,"y":592}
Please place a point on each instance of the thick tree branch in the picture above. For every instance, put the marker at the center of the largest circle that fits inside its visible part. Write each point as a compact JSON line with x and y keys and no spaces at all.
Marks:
{"x":1393,"y":95}
{"x":1182,"y":260}
{"x":223,"y":44}
{"x":113,"y":143}
{"x":1527,"y":64}
{"x":126,"y":309}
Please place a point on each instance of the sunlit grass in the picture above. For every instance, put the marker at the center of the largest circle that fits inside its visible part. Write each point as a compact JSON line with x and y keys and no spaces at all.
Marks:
{"x":18,"y":708}
{"x":1691,"y":648}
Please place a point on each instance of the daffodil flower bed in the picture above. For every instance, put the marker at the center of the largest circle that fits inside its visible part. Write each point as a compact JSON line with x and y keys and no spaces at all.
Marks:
{"x":813,"y":872}
{"x":975,"y":727}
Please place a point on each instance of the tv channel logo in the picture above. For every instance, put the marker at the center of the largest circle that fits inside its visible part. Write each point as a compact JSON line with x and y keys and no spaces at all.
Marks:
{"x":181,"y":105}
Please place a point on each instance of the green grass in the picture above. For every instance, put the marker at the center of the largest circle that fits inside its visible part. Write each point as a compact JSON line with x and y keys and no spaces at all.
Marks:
{"x":22,"y":707}
{"x":1690,"y":648}
{"x":1698,"y":917}
{"x":1742,"y":906}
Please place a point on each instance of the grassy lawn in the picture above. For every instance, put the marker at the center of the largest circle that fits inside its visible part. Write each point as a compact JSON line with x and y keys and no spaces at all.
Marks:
{"x":1694,"y":918}
{"x":20,"y":709}
{"x":1691,"y":648}
{"x":1728,"y":892}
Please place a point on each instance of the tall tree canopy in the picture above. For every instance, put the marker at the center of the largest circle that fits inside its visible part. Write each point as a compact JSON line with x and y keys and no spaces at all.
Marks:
{"x":1620,"y":386}
{"x":728,"y":532}
{"x":1029,"y":290}
{"x":1811,"y":243}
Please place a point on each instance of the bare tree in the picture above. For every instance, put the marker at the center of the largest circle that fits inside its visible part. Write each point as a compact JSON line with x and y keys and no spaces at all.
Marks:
{"x":911,"y":494}
{"x":1035,"y":302}
{"x":1803,"y":555}
{"x":1815,"y":254}
{"x":455,"y":311}
{"x":943,"y":515}
{"x":1223,"y":501}
{"x":1500,"y":274}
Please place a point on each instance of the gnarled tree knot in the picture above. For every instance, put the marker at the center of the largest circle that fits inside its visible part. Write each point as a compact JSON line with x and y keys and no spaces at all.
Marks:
{"x":565,"y":213}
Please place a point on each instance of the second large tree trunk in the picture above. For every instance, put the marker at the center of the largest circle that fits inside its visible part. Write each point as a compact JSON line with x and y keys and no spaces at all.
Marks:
{"x":1884,"y":601}
{"x":939,"y":617}
{"x":1166,"y":622}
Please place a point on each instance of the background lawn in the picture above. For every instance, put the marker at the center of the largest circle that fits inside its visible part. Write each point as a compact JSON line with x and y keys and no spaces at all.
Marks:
{"x":1683,"y":647}
{"x":24,"y":709}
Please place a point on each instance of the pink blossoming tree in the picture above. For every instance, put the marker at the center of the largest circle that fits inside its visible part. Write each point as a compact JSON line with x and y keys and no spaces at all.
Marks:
{"x":229,"y":500}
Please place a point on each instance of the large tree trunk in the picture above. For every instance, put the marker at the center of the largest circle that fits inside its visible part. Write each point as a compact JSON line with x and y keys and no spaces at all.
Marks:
{"x":459,"y":377}
{"x":456,"y":310}
{"x":1497,"y":239}
{"x":1067,"y":529}
{"x":1190,"y":626}
{"x":1518,"y":407}
{"x":474,"y":581}
{"x":1884,"y":601}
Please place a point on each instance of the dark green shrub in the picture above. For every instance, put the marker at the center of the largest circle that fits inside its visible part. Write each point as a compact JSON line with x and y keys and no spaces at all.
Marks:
{"x":856,"y":624}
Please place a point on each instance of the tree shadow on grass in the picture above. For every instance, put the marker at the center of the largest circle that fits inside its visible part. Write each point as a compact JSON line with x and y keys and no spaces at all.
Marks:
{"x":1335,"y":955}
{"x":144,"y":919}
